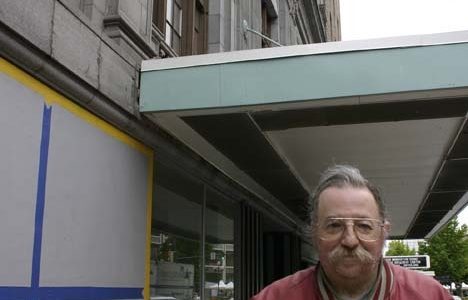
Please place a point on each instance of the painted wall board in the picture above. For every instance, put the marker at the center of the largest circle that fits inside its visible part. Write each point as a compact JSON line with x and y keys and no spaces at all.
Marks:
{"x":20,"y":128}
{"x":76,"y":195}
{"x":94,"y":225}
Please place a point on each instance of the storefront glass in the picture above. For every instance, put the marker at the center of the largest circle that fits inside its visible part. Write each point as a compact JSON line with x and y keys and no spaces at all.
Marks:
{"x":182,"y":205}
{"x":176,"y":258}
{"x":219,"y":247}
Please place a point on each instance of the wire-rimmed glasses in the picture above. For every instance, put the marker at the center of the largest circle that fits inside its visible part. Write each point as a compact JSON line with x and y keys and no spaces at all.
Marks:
{"x":366,"y":229}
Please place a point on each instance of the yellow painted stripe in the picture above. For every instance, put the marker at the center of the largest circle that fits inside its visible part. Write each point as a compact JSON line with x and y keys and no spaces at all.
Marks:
{"x":149,"y":213}
{"x":51,"y":97}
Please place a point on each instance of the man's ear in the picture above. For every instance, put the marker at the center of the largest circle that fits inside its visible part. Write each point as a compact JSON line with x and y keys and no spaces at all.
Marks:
{"x":387,"y":228}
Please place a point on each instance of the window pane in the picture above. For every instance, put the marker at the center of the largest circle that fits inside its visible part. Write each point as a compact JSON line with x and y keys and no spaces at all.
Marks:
{"x":196,"y":22}
{"x":169,"y":10}
{"x":176,"y":235}
{"x":177,"y":18}
{"x":176,"y":42}
{"x":168,"y":36}
{"x":158,"y":16}
{"x":195,"y":42}
{"x":219,"y":247}
{"x":198,"y":32}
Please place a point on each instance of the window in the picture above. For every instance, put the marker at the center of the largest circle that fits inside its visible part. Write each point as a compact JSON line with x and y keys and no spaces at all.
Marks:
{"x":219,"y":247}
{"x":268,"y":18}
{"x":159,"y":15}
{"x":86,"y":6}
{"x":192,"y":247}
{"x":199,"y":30}
{"x":176,"y":247}
{"x":173,"y":30}
{"x":181,"y":26}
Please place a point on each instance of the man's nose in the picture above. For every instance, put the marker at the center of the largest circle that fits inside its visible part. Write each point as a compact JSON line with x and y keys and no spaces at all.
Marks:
{"x":349,"y":238}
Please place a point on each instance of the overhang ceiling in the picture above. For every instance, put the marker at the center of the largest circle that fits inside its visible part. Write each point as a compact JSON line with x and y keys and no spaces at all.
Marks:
{"x":273,"y":119}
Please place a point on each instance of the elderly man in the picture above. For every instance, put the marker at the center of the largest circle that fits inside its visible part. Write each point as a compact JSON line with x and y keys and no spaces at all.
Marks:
{"x":350,"y":225}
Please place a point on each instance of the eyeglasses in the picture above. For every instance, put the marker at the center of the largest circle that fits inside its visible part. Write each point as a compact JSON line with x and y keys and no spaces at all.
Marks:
{"x":368,"y":230}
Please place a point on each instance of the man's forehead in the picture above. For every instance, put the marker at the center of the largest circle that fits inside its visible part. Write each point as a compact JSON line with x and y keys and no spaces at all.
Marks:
{"x":347,"y":201}
{"x":356,"y":217}
{"x":346,"y":189}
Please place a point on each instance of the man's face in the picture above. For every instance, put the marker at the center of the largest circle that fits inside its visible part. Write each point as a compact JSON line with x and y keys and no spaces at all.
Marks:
{"x":346,"y":256}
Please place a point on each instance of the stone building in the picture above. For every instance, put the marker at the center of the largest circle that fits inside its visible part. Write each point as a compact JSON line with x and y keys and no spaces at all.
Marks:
{"x":98,"y":201}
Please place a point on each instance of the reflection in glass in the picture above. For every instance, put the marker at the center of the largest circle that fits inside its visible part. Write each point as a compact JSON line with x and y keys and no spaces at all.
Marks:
{"x":219,"y":247}
{"x":176,"y":269}
{"x":176,"y":258}
{"x":170,"y":5}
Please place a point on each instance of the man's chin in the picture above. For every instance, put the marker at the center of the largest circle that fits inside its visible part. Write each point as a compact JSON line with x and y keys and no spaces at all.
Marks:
{"x":349,"y":269}
{"x":349,"y":261}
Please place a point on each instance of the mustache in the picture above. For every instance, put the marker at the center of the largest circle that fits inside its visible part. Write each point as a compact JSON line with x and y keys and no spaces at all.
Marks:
{"x":359,"y":253}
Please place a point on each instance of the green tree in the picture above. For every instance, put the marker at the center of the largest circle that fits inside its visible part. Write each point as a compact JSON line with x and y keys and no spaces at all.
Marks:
{"x":448,"y":251}
{"x":397,"y":247}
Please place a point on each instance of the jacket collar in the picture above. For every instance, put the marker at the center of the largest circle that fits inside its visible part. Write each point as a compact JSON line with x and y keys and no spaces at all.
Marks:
{"x":380,"y":290}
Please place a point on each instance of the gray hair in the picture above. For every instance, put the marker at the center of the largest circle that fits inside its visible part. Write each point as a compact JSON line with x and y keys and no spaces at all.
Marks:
{"x":343,"y":176}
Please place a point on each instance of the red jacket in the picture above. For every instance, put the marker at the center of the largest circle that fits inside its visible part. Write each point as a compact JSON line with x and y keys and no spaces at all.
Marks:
{"x":407,"y":285}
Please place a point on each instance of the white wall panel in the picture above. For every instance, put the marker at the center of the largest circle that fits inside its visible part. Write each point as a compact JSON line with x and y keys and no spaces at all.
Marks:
{"x":20,"y":133}
{"x":95,"y":207}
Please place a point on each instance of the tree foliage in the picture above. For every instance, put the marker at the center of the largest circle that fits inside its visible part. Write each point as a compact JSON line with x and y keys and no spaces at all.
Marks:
{"x":448,"y":251}
{"x":397,"y":248}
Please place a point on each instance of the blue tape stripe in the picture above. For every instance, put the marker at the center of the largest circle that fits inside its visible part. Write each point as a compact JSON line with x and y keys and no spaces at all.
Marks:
{"x":67,"y":293}
{"x":88,"y":293}
{"x":16,"y":293}
{"x":40,"y":198}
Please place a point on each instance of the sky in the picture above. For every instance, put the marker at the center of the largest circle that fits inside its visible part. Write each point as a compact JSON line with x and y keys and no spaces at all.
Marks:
{"x":366,"y":19}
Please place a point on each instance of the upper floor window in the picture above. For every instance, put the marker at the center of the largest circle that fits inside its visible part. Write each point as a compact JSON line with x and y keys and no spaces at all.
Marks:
{"x":269,"y":16}
{"x":181,"y":25}
{"x":159,"y":15}
{"x":86,"y":6}
{"x":174,"y":24}
{"x":200,"y":27}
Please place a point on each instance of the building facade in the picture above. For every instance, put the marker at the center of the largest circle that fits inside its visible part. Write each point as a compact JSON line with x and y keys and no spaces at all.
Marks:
{"x":98,"y":202}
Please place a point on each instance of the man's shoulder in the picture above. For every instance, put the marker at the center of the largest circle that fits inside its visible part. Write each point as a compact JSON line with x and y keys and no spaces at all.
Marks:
{"x":417,"y":284}
{"x":298,"y":278}
{"x":406,"y":276}
{"x":299,"y":283}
